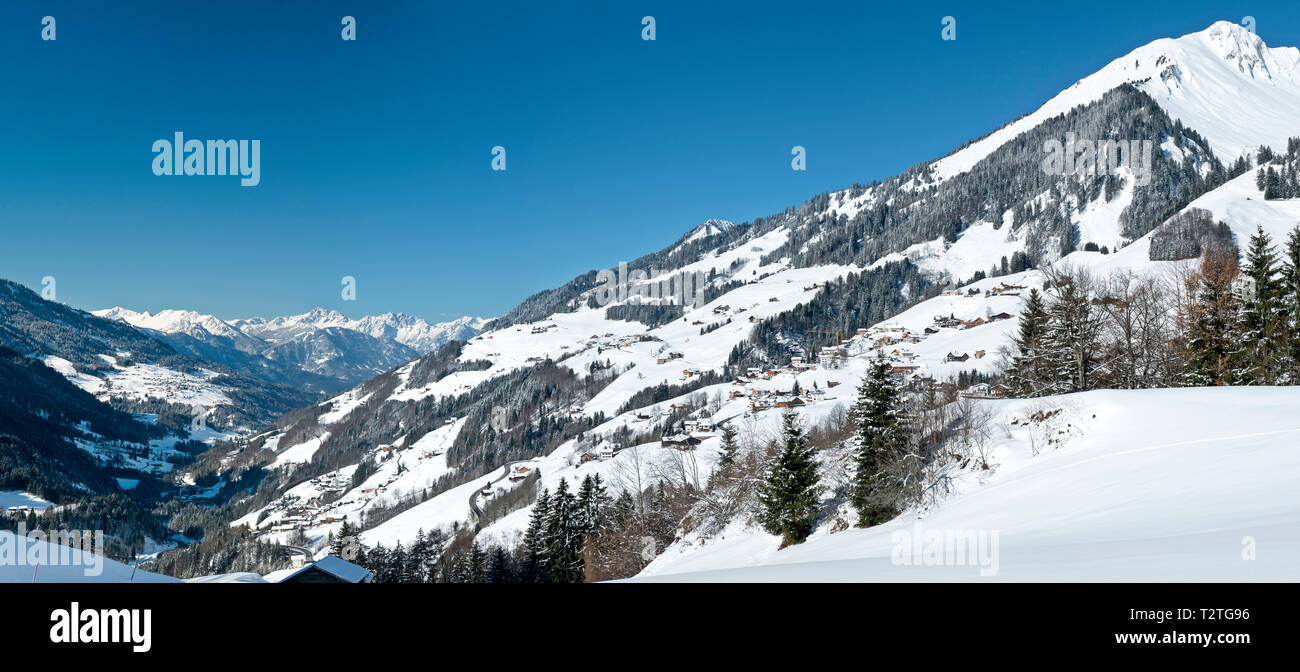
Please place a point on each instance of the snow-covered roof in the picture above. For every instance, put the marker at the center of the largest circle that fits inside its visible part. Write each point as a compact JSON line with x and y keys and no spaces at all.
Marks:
{"x":338,"y":568}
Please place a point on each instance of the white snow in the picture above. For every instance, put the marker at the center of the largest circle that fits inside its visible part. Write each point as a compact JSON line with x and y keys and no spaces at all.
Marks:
{"x":1143,"y":485}
{"x":1224,"y":82}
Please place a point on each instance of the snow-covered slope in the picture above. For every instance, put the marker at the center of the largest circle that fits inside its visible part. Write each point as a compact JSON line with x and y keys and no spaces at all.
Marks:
{"x":34,"y":559}
{"x":1141,"y":485}
{"x":1224,"y":82}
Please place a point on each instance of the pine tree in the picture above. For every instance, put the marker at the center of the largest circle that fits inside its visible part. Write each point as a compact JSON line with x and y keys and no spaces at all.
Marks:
{"x":478,"y":565}
{"x":499,"y":566}
{"x":593,"y":504}
{"x":563,"y":538}
{"x":1073,"y":336}
{"x":729,"y":447}
{"x":791,"y":488}
{"x":533,"y":549}
{"x":1262,"y":313}
{"x":880,"y":424}
{"x":344,"y":544}
{"x":1290,"y":307}
{"x":1027,"y":375}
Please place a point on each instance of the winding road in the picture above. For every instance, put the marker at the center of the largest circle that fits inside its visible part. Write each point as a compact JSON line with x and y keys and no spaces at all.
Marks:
{"x":473,"y":498}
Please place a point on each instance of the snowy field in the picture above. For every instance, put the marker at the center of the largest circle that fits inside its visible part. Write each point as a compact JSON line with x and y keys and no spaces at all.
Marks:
{"x":1143,"y":485}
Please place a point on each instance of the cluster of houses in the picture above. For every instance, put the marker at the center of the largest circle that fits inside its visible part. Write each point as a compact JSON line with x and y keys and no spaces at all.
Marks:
{"x":1003,"y":289}
{"x":951,"y":322}
{"x":20,"y":511}
{"x":609,"y":341}
{"x":303,"y":514}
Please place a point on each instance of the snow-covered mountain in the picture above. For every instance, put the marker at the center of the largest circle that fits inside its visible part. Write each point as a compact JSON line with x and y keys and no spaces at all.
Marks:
{"x":570,"y":372}
{"x":1222,"y":81}
{"x":318,"y":350}
{"x":408,"y":330}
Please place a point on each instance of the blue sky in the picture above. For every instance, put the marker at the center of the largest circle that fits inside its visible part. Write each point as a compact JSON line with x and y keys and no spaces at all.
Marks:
{"x":375,"y":154}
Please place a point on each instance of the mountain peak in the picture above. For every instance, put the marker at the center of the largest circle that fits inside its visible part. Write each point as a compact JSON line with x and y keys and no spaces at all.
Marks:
{"x":710,"y":227}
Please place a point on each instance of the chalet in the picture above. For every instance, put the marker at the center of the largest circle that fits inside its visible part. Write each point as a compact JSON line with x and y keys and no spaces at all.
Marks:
{"x":792,"y":402}
{"x":953,"y":357}
{"x":972,"y":323}
{"x":605,"y":452}
{"x":773,"y":299}
{"x":586,"y":457}
{"x":330,"y":569}
{"x":679,"y":441}
{"x":832,"y":383}
{"x":979,"y":354}
{"x":721,"y":310}
{"x":1000,"y":316}
{"x":519,"y":473}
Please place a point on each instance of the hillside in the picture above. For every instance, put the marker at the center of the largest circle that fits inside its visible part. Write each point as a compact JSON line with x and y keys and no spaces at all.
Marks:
{"x":1142,"y":485}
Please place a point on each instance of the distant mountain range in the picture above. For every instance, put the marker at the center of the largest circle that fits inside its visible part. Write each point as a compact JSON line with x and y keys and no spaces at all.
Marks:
{"x":320,"y":350}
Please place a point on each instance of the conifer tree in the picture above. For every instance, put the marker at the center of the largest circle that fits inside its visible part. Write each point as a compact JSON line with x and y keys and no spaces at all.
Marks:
{"x":593,"y":504}
{"x":1290,"y":308}
{"x":563,"y":538}
{"x":880,"y":423}
{"x":477,"y":565}
{"x":1262,"y":312}
{"x":499,"y":566}
{"x":1073,"y":335}
{"x":533,"y":560}
{"x":729,"y":447}
{"x":791,"y":489}
{"x":1027,"y":375}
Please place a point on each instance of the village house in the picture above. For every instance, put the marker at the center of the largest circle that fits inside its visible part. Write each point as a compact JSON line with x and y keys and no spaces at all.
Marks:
{"x":679,"y":441}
